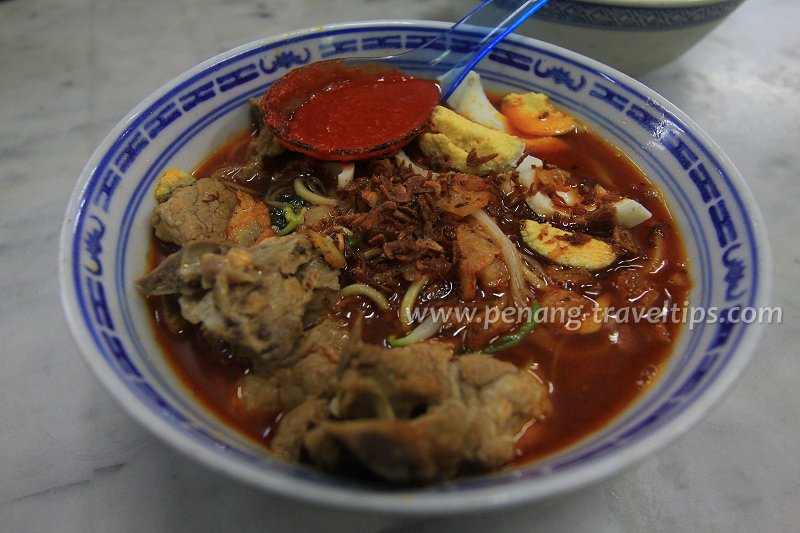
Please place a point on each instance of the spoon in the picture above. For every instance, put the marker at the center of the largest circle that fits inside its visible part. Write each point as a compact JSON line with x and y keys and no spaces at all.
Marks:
{"x":356,"y":108}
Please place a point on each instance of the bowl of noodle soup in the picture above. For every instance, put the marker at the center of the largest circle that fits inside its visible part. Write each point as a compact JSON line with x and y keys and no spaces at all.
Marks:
{"x":107,"y":245}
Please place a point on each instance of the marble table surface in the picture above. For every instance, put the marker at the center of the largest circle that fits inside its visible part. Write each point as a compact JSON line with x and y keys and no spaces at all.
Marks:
{"x":71,"y":460}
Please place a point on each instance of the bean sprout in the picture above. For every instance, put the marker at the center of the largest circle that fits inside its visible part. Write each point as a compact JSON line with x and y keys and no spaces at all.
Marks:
{"x":509,"y":254}
{"x":361,"y":289}
{"x":276,"y":190}
{"x":315,"y":185}
{"x":410,"y":300}
{"x":534,"y":272}
{"x":372,"y":252}
{"x":427,"y":329}
{"x":302,"y":191}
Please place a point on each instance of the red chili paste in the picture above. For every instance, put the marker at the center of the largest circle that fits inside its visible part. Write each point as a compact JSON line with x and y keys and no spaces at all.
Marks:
{"x":365,"y":112}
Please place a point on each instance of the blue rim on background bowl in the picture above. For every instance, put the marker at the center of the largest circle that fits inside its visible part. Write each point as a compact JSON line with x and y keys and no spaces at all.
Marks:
{"x":106,"y":233}
{"x":641,"y":14}
{"x":634,"y":36}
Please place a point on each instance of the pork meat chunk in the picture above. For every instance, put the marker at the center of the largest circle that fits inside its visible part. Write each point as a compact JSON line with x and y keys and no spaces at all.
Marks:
{"x":425,"y":448}
{"x":416,"y":415}
{"x":258,"y":299}
{"x":201,"y":210}
{"x":397,"y":383}
{"x":288,"y":440}
{"x":180,"y":272}
{"x":501,"y":400}
{"x":313,"y":376}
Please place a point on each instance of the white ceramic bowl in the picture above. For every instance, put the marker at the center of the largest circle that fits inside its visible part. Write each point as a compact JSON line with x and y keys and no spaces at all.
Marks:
{"x":634,"y":36}
{"x":106,"y":234}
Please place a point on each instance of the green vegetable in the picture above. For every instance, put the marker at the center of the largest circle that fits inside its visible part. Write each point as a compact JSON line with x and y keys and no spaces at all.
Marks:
{"x":292,"y":220}
{"x":278,"y":216}
{"x":515,"y":338}
{"x":360,"y":289}
{"x":356,"y":240}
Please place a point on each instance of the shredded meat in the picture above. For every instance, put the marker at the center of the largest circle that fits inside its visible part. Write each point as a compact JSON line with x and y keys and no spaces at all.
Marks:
{"x":637,"y":289}
{"x":569,"y":277}
{"x":479,"y":259}
{"x":552,"y":178}
{"x":657,"y":229}
{"x":474,"y":160}
{"x":602,"y":218}
{"x":624,"y":242}
{"x":575,"y":238}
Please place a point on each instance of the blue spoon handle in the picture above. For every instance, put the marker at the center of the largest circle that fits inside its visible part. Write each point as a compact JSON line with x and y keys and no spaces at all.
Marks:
{"x":491,"y":22}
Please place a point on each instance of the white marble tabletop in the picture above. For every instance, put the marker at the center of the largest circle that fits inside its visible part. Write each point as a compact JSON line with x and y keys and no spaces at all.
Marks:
{"x":71,"y":460}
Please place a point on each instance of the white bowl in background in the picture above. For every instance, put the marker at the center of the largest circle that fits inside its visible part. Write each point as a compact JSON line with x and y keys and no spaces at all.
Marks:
{"x":106,"y":235}
{"x":634,"y":36}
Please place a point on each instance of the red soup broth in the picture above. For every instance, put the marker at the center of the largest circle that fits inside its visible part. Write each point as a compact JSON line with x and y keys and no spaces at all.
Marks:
{"x":592,"y":378}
